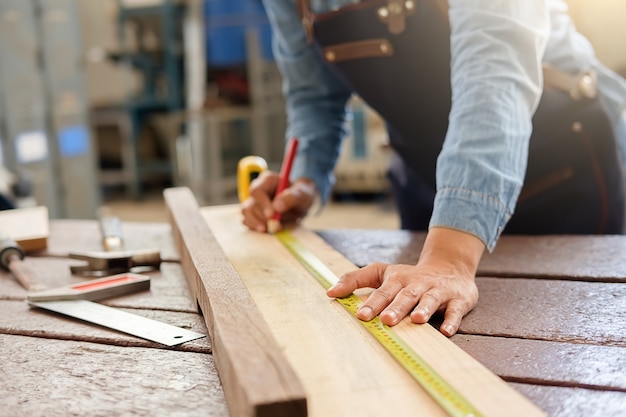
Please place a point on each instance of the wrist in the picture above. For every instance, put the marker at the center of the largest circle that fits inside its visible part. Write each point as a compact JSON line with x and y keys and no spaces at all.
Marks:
{"x":459,"y":249}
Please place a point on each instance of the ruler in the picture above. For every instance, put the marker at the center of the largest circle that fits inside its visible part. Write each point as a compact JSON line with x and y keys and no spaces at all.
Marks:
{"x":97,"y":289}
{"x":122,"y":321}
{"x":449,"y":399}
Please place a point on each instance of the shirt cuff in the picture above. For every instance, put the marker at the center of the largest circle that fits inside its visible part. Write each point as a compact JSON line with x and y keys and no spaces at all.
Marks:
{"x":481,"y":215}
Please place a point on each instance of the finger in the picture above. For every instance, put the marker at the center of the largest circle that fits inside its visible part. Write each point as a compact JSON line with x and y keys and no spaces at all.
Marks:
{"x":262,"y":189}
{"x":428,"y":304}
{"x":299,"y":196}
{"x":289,"y":199}
{"x":453,"y":316}
{"x":379,"y":299}
{"x":401,"y":305}
{"x":368,"y":276}
{"x":253,"y":216}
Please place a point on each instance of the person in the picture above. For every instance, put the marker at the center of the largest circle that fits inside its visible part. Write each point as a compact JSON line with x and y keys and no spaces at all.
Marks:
{"x":501,"y":117}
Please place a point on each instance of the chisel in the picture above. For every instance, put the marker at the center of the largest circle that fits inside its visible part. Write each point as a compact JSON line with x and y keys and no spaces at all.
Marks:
{"x":11,"y":256}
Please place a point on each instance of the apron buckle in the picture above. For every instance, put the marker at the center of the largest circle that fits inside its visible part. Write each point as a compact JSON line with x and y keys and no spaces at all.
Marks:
{"x":394,"y":14}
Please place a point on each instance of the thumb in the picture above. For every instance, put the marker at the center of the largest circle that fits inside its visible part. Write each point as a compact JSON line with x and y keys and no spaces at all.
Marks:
{"x":369,"y":276}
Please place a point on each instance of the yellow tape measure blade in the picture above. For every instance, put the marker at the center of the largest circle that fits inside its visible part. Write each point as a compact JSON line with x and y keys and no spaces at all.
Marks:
{"x":449,"y":399}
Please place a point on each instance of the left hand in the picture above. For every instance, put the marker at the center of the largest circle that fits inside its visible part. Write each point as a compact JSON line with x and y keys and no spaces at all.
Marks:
{"x":442,"y":280}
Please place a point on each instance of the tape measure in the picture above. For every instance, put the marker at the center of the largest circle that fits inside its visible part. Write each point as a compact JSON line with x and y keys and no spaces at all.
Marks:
{"x":449,"y":399}
{"x":445,"y":395}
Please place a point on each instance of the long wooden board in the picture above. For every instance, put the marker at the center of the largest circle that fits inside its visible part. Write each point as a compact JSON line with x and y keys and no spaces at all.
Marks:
{"x":343,"y":369}
{"x":257,"y":379}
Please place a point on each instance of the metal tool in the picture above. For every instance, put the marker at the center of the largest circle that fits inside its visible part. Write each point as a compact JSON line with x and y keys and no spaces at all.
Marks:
{"x":97,"y":289}
{"x":111,"y":229}
{"x":110,"y":263}
{"x":11,"y":256}
{"x":122,"y":321}
{"x":438,"y":388}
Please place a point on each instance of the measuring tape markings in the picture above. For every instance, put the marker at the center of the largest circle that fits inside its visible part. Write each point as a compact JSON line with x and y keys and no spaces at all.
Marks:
{"x":445,"y":395}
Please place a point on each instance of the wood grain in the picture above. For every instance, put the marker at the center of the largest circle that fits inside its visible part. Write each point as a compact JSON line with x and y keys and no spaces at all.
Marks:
{"x":570,"y":402}
{"x":27,"y":226}
{"x":257,"y":379}
{"x":19,"y":319}
{"x":344,"y":370}
{"x":85,"y":235}
{"x":581,"y":258}
{"x":45,"y":377}
{"x":600,"y":368}
{"x":564,"y":311}
{"x":168,"y":289}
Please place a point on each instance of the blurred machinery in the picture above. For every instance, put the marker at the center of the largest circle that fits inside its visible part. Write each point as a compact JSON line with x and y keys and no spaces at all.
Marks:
{"x":235,"y":105}
{"x":150,"y":35}
{"x":209,"y":92}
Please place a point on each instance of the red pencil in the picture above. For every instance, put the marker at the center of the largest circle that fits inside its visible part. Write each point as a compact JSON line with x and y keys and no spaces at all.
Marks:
{"x":273,"y":224}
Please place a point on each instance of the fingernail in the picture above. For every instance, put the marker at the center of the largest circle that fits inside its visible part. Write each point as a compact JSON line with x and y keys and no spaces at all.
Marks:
{"x":365,"y":313}
{"x":447,"y":329}
{"x":392,"y":315}
{"x":268,"y":213}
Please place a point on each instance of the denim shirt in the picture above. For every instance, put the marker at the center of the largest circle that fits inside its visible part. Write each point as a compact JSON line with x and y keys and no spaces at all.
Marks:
{"x":497,"y":51}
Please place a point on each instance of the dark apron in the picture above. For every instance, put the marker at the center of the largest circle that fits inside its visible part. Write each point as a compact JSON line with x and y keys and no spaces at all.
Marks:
{"x":399,"y":63}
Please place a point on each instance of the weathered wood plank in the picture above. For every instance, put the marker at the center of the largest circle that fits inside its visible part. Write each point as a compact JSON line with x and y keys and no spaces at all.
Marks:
{"x":85,"y":235}
{"x":41,"y":377}
{"x":575,"y":402}
{"x":344,"y":370}
{"x":564,"y":311}
{"x":592,"y":258}
{"x":257,"y":379}
{"x":19,"y":319}
{"x":168,"y":287}
{"x":363,"y":247}
{"x":549,"y":363}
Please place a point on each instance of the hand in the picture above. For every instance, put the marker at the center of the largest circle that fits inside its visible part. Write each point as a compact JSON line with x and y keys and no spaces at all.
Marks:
{"x":442,"y":280}
{"x":293,"y":203}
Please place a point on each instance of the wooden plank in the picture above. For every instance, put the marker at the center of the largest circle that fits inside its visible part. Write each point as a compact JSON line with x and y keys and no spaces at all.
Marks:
{"x":85,"y":235}
{"x":344,"y":370}
{"x":168,"y":289}
{"x":549,"y":363}
{"x":42,"y":377}
{"x":569,"y":402}
{"x":564,"y":311}
{"x":19,"y":319}
{"x":27,"y":226}
{"x":257,"y":379}
{"x":363,"y":247}
{"x":590,"y":258}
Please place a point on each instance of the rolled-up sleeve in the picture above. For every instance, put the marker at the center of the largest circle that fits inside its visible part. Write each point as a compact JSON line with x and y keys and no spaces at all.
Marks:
{"x":316,"y":98}
{"x":496,"y":78}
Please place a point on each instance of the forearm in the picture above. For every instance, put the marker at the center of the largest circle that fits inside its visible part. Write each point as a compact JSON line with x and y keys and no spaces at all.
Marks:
{"x":496,"y":49}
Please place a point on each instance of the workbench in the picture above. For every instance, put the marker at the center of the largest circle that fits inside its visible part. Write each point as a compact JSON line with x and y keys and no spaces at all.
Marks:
{"x":551,"y":321}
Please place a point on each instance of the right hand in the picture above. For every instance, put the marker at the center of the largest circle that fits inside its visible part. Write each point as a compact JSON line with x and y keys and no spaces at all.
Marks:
{"x":293,"y":203}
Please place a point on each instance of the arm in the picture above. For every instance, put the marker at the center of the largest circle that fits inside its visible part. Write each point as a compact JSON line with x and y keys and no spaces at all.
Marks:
{"x":316,"y":98}
{"x":316,"y":102}
{"x":496,"y":49}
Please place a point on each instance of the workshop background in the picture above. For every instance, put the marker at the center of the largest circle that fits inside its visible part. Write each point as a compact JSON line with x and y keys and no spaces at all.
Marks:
{"x":108,"y":102}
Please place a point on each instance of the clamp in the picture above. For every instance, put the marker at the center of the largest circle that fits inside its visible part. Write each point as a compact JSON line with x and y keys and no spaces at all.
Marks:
{"x":110,"y":263}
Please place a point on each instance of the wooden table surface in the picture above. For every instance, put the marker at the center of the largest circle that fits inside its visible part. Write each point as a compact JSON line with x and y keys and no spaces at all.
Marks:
{"x":551,"y":320}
